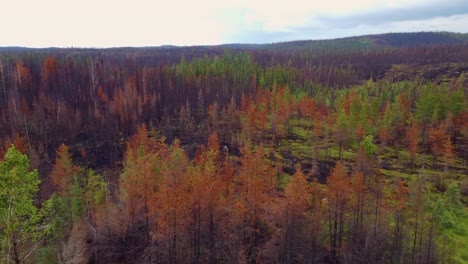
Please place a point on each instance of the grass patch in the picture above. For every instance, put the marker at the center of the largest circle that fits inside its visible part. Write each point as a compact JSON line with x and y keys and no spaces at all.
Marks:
{"x":348,"y":154}
{"x":301,"y":132}
{"x":300,"y":122}
{"x":392,"y":174}
{"x":283,"y":180}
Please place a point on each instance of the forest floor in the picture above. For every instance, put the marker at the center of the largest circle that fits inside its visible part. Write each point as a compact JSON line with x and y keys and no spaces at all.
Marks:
{"x":299,"y":146}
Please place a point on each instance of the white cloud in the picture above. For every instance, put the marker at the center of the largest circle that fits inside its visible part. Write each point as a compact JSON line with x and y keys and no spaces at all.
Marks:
{"x":105,"y":23}
{"x":108,"y":23}
{"x":282,"y":15}
{"x":455,"y":23}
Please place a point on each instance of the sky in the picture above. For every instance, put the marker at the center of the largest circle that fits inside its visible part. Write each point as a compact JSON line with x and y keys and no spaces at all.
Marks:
{"x":118,"y":23}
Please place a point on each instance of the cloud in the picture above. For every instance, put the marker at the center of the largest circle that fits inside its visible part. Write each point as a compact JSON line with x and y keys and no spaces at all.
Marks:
{"x":107,"y":23}
{"x":376,"y":17}
{"x":281,"y":15}
{"x":397,"y":14}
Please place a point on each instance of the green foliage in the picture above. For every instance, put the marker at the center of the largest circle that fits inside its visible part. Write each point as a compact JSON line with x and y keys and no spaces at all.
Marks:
{"x":21,"y":222}
{"x":283,"y":180}
{"x":448,"y":210}
{"x":230,"y":66}
{"x":48,"y":254}
{"x":436,"y":102}
{"x":96,"y":189}
{"x":58,"y":216}
{"x":456,"y":102}
{"x":369,"y":147}
{"x":452,"y":222}
{"x":426,"y":107}
{"x":76,"y":201}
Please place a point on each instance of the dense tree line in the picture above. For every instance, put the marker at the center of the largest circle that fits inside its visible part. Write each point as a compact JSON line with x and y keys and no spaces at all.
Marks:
{"x":55,"y":97}
{"x":218,"y":208}
{"x":147,"y":159}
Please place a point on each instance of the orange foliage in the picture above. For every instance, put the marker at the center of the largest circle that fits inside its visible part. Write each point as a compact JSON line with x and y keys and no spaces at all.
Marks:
{"x":23,"y":74}
{"x":298,"y":193}
{"x":338,"y":194}
{"x":318,"y":124}
{"x":401,"y":195}
{"x":448,"y":152}
{"x":102,"y":96}
{"x":347,"y":104}
{"x":360,"y":132}
{"x":49,"y":71}
{"x":306,"y":106}
{"x":437,"y":139}
{"x":19,"y":142}
{"x":140,"y":180}
{"x":63,"y":170}
{"x":412,"y":140}
{"x":338,"y":187}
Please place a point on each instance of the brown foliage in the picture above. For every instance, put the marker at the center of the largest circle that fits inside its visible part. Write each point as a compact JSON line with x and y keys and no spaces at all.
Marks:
{"x":412,"y":140}
{"x":63,"y":170}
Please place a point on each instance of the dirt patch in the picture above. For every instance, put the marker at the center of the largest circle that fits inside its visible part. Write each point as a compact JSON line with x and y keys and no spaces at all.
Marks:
{"x":77,"y":249}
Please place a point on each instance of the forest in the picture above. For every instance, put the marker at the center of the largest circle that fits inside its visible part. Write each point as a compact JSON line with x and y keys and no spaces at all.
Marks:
{"x":352,"y":150}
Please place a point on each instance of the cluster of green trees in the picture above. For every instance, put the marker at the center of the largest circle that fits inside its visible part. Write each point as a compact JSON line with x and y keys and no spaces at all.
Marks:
{"x":22,"y":225}
{"x":34,"y":231}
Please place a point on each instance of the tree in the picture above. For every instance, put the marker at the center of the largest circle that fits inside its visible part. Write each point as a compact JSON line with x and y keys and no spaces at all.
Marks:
{"x":400,"y":201}
{"x":206,"y":192}
{"x":63,"y":171}
{"x":448,"y":213}
{"x":386,"y":126}
{"x":448,"y":152}
{"x":94,"y":197}
{"x":338,"y":197}
{"x":49,"y":74}
{"x":341,"y":134}
{"x":140,"y":180}
{"x":412,"y":140}
{"x":21,"y":228}
{"x":306,"y":107}
{"x":437,"y":138}
{"x":346,"y":104}
{"x":369,"y":147}
{"x":169,"y":207}
{"x":18,"y":141}
{"x":297,"y":201}
{"x":357,"y":202}
{"x":256,"y":182}
{"x":364,"y":156}
{"x":4,"y":93}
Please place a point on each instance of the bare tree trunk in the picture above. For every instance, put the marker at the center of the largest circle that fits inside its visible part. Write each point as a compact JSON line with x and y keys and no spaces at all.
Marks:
{"x":15,"y":253}
{"x":3,"y":81}
{"x":415,"y":239}
{"x":27,"y":131}
{"x":212,"y":239}
{"x":330,"y":228}
{"x":429,"y":244}
{"x":197,"y":234}
{"x":420,"y":250}
{"x":173,"y":258}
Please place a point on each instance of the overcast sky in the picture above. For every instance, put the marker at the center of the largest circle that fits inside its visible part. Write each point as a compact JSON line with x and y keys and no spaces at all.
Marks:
{"x":114,"y":23}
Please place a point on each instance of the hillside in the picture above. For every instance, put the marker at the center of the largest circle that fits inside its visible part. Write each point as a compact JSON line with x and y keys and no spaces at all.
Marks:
{"x":349,"y":44}
{"x":380,"y":41}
